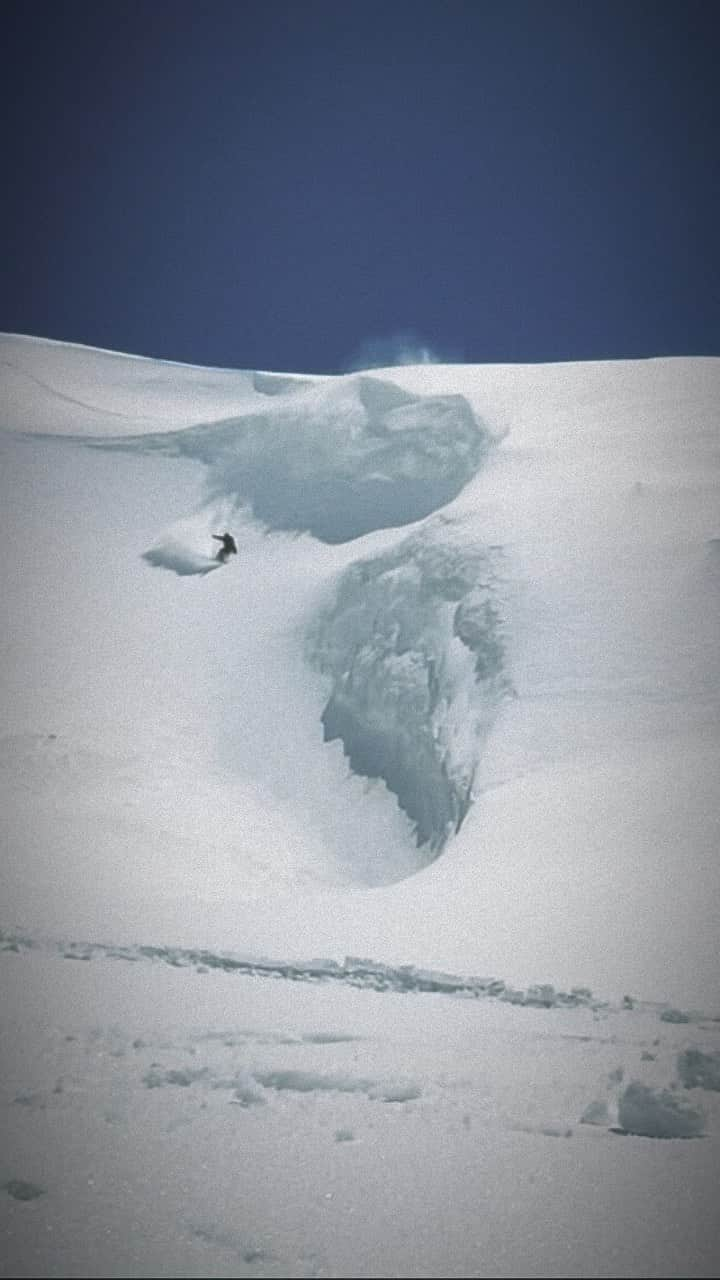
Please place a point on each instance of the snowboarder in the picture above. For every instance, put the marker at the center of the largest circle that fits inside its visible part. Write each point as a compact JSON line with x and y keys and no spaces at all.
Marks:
{"x":228,"y":548}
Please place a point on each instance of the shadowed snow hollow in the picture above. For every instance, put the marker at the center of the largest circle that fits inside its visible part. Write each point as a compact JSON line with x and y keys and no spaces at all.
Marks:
{"x":339,"y":459}
{"x":413,"y":644}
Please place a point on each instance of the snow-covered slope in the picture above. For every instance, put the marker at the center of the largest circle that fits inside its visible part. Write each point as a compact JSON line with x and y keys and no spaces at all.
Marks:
{"x":452,"y":707}
{"x":455,"y":701}
{"x":62,"y":388}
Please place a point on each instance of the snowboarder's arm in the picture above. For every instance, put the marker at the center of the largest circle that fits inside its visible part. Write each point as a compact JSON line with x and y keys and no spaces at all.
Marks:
{"x":217,"y":536}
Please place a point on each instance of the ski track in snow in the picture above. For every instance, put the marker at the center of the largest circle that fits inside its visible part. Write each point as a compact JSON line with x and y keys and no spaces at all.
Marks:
{"x":306,"y":1127}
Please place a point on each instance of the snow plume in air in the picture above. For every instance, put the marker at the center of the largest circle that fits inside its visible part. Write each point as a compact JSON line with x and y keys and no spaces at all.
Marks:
{"x":169,"y":553}
{"x":413,"y":645}
{"x":189,"y":547}
{"x":405,"y":348}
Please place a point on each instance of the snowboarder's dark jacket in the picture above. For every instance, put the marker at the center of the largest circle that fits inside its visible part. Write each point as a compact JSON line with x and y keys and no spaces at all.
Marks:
{"x":228,"y":548}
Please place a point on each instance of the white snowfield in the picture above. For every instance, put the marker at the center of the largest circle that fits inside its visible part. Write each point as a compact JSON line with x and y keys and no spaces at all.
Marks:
{"x":453,"y":707}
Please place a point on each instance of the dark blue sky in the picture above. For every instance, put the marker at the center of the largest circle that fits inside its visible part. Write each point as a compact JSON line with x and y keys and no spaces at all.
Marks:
{"x":277,"y":185}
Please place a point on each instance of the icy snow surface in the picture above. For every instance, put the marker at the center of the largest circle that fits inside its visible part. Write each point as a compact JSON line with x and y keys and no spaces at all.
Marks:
{"x":454,"y":707}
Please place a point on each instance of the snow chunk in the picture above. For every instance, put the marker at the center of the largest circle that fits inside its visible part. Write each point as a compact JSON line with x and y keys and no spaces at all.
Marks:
{"x":338,"y":1082}
{"x":658,"y":1113}
{"x":20,"y":1190}
{"x":699,"y":1070}
{"x":596,"y":1112}
{"x":156,"y":1078}
{"x":246,"y":1093}
{"x":674,"y":1015}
